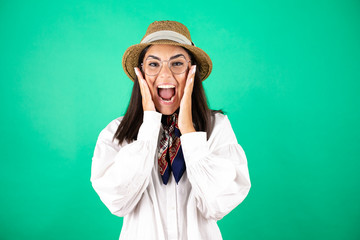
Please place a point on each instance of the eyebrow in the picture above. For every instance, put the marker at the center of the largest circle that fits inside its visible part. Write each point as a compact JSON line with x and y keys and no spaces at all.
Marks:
{"x":152,"y":56}
{"x":175,"y":56}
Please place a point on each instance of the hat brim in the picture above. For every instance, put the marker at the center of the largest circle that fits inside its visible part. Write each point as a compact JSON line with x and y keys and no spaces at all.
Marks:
{"x":131,"y":57}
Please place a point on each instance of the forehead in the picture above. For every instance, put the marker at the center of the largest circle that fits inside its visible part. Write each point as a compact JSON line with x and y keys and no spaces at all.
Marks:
{"x":164,"y":51}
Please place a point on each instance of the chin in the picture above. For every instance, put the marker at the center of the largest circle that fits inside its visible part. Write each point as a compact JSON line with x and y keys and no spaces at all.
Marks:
{"x":166,"y":110}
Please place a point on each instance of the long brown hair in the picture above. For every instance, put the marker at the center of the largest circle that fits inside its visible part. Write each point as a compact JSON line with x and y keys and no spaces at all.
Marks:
{"x":133,"y":118}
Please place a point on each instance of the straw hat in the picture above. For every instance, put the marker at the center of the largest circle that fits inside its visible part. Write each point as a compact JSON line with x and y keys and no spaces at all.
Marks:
{"x":166,"y":32}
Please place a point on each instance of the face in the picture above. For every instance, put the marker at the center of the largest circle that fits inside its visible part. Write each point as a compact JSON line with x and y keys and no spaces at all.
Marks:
{"x":166,"y":87}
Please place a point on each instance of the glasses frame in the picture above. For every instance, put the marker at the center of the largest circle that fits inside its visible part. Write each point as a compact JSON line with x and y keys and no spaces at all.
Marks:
{"x":161,"y":65}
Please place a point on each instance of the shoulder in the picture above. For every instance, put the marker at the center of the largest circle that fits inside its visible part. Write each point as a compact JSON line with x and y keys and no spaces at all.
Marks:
{"x":109,"y":131}
{"x":219,"y":119}
{"x":219,"y":116}
{"x":222,"y":129}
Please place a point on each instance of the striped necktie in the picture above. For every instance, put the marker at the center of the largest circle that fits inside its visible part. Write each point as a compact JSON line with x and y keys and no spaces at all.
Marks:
{"x":171,"y":158}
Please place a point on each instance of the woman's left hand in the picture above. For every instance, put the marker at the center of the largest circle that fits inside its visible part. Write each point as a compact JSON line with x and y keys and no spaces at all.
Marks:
{"x":185,"y":122}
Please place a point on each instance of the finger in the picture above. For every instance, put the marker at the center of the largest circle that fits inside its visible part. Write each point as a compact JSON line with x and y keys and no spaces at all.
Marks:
{"x":145,"y":86}
{"x":191,"y":74}
{"x":141,"y":81}
{"x":190,"y":80}
{"x":147,"y":101}
{"x":138,"y":73}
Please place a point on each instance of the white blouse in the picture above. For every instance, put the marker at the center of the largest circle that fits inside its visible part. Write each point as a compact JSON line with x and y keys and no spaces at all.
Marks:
{"x":127,"y":179}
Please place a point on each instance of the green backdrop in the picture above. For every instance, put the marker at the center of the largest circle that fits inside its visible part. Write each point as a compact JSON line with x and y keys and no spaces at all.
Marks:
{"x":285,"y":72}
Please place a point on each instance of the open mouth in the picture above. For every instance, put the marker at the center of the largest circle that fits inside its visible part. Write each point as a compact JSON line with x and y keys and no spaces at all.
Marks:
{"x":166,"y":92}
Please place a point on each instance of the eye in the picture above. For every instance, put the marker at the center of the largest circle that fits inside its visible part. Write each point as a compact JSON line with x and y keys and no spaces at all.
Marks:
{"x":153,"y":64}
{"x":177,"y":63}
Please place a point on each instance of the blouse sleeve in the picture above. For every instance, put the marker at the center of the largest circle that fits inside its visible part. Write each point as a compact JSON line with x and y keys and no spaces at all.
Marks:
{"x":217,"y":169}
{"x":120,"y":174}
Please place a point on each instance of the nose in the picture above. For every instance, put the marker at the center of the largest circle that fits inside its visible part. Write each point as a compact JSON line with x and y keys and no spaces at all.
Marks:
{"x":165,"y":70}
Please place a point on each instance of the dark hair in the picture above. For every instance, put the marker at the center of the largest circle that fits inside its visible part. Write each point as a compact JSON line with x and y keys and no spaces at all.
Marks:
{"x":133,"y":118}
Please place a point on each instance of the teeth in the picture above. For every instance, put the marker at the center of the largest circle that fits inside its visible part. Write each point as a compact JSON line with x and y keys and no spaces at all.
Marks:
{"x":166,"y":86}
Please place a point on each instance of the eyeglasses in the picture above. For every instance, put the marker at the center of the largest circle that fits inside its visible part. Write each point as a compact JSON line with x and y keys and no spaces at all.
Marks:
{"x":177,"y":65}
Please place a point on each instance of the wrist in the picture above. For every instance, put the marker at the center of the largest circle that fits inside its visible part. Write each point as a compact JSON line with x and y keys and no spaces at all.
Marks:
{"x":188,"y":129}
{"x":148,"y":107}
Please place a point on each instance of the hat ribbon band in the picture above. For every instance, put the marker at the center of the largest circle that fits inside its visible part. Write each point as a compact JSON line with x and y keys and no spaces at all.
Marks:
{"x":166,"y":35}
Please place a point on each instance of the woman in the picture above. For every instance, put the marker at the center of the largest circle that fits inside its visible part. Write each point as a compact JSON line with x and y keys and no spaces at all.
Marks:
{"x":171,"y":167}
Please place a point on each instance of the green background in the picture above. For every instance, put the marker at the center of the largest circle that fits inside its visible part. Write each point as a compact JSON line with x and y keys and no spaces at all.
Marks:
{"x":285,"y":72}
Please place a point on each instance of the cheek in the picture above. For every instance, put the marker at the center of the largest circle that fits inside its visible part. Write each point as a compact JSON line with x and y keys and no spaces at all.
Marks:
{"x":181,"y":90}
{"x":150,"y":82}
{"x":182,"y":83}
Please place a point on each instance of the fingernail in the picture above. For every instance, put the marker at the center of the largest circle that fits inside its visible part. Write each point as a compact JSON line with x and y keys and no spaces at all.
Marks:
{"x":136,"y":71}
{"x":194,"y":69}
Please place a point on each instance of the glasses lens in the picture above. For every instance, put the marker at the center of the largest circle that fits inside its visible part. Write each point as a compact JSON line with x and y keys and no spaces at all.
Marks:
{"x":178,"y":65}
{"x":152,"y":66}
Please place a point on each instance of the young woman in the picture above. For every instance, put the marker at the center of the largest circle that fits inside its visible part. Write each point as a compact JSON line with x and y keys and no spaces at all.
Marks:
{"x":171,"y":166}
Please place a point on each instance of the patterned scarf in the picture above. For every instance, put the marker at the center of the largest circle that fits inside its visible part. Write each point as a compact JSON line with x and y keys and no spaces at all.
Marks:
{"x":171,"y":158}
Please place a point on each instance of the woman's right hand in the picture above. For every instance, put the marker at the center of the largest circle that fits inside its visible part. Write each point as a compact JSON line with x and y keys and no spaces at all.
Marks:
{"x":147,"y":102}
